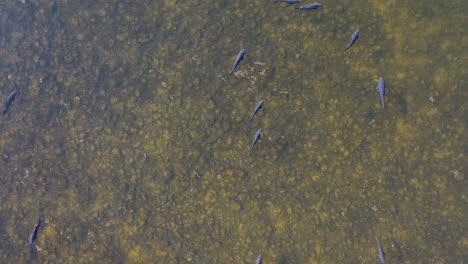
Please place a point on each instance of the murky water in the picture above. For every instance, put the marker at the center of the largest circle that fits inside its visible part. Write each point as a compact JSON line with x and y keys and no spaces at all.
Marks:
{"x":129,"y":136}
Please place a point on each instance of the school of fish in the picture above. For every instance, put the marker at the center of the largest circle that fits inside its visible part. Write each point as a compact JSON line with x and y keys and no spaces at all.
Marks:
{"x":380,"y":88}
{"x":239,"y":58}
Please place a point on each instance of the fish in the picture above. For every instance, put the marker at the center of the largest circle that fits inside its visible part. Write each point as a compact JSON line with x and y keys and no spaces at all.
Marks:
{"x":258,"y":135}
{"x":353,"y":39}
{"x":11,"y":98}
{"x":309,"y":7}
{"x":290,"y":2}
{"x":257,"y":108}
{"x":381,"y":253}
{"x":381,"y":88}
{"x":239,"y":58}
{"x":259,"y":260}
{"x":33,"y":236}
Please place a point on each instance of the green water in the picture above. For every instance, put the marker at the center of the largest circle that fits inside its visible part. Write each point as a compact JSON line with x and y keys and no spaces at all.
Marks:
{"x":129,"y":136}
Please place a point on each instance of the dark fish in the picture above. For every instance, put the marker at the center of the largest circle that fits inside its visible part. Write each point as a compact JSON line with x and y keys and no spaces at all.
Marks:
{"x":291,"y":2}
{"x":309,"y":7}
{"x":239,"y":58}
{"x":258,"y":135}
{"x":257,"y":108}
{"x":9,"y":101}
{"x":381,"y":89}
{"x":35,"y":231}
{"x":259,"y":260}
{"x":381,"y":253}
{"x":353,"y":39}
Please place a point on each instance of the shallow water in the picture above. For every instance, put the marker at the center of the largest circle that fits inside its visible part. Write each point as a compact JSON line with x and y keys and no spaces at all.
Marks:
{"x":129,"y":136}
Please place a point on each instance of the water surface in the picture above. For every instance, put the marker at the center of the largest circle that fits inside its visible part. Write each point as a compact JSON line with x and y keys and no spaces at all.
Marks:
{"x":129,"y":136}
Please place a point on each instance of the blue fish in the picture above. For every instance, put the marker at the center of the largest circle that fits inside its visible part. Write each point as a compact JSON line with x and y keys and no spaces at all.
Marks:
{"x":381,"y":89}
{"x":291,"y":2}
{"x":381,"y":253}
{"x":259,"y":260}
{"x":239,"y":58}
{"x":309,"y":7}
{"x":353,"y":39}
{"x":9,"y":101}
{"x":258,"y":135}
{"x":257,"y":108}
{"x":35,"y":231}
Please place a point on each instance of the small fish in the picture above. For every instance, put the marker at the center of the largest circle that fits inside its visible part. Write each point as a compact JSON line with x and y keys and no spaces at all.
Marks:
{"x":9,"y":101}
{"x":290,"y":2}
{"x":353,"y":39}
{"x":381,"y":253}
{"x":381,"y":88}
{"x":259,"y":260}
{"x":257,"y":108}
{"x":35,"y":231}
{"x":239,"y":58}
{"x":258,"y":135}
{"x":309,"y":7}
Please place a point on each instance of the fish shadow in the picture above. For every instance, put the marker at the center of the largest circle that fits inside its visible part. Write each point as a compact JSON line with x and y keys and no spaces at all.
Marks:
{"x":33,"y":253}
{"x":284,"y":260}
{"x":401,"y":103}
